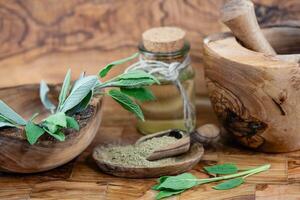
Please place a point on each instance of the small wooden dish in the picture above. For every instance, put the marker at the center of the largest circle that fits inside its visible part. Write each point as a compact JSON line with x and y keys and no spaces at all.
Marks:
{"x":17,"y":155}
{"x":182,"y":163}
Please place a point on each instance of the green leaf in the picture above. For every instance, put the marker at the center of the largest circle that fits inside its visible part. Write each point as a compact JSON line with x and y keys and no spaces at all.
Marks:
{"x":60,"y":136}
{"x":58,"y":119}
{"x":4,"y":119}
{"x":44,"y":90}
{"x":155,"y":187}
{"x":82,"y":105}
{"x":179,"y":182}
{"x":162,"y":178}
{"x":72,"y":123}
{"x":49,"y":127}
{"x":11,"y":115}
{"x":6,"y":124}
{"x":81,"y":76}
{"x":137,"y":74}
{"x":132,"y":83}
{"x":167,"y":193}
{"x":232,"y":183}
{"x":222,"y":169}
{"x":108,"y":67}
{"x":126,"y":102}
{"x":65,"y":89}
{"x":33,"y":132}
{"x":78,"y":93}
{"x":142,"y":94}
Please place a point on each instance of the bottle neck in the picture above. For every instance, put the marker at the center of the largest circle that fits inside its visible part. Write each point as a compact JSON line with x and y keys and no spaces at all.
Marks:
{"x":167,"y":57}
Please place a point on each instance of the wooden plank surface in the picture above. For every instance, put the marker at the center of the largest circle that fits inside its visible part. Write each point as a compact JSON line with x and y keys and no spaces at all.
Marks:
{"x":81,"y":179}
{"x":41,"y":39}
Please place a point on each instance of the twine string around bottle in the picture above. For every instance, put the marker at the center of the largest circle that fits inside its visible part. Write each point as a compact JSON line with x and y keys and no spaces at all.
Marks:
{"x":169,"y":72}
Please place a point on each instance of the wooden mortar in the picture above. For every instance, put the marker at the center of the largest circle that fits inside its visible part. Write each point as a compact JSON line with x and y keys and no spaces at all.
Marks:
{"x":257,"y":96}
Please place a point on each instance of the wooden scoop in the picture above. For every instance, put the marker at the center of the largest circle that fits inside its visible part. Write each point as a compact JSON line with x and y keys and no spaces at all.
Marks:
{"x":239,"y":16}
{"x":204,"y":134}
{"x":182,"y":145}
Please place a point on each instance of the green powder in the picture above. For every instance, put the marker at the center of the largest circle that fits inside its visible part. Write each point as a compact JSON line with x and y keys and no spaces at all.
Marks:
{"x":135,"y":155}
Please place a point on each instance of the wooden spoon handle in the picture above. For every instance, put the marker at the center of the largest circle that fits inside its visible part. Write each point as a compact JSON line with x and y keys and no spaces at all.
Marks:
{"x":239,"y":16}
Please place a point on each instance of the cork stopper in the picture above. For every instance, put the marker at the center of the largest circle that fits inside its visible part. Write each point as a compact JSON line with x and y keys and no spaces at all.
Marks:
{"x":163,"y":39}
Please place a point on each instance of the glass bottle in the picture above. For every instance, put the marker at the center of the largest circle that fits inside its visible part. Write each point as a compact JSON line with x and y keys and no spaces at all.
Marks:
{"x":166,"y":111}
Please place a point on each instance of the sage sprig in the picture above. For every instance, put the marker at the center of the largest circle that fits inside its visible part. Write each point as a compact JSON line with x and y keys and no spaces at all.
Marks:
{"x":172,"y":185}
{"x":131,"y":86}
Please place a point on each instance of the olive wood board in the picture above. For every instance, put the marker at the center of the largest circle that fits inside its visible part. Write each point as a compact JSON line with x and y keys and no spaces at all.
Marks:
{"x":82,"y":179}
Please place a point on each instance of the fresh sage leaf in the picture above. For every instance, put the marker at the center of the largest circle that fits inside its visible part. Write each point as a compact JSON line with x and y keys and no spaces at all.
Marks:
{"x":137,"y":74}
{"x":78,"y":93}
{"x":72,"y":123}
{"x":232,"y":183}
{"x":163,"y":178}
{"x":226,"y":168}
{"x":4,"y":119}
{"x":49,"y":127}
{"x":167,"y":193}
{"x":65,"y":89}
{"x":126,"y":102}
{"x":6,"y":124}
{"x":132,"y":83}
{"x":82,"y":105}
{"x":60,"y":136}
{"x":44,"y":90}
{"x":81,"y":76}
{"x":58,"y":119}
{"x":155,"y":187}
{"x":141,"y":94}
{"x":33,"y":132}
{"x":108,"y":67}
{"x":11,"y":115}
{"x":179,"y":182}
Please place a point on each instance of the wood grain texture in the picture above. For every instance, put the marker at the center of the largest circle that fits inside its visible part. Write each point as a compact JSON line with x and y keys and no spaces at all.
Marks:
{"x":41,"y":39}
{"x":82,"y":179}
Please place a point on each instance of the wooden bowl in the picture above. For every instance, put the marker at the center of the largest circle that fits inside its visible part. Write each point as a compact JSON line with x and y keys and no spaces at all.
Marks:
{"x":257,"y":97}
{"x":17,"y":155}
{"x":182,"y":164}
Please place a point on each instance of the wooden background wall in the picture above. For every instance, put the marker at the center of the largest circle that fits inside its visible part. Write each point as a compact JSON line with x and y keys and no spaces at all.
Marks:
{"x":40,"y":39}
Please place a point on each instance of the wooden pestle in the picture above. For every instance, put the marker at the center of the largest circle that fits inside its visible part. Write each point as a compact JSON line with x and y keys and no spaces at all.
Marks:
{"x":239,"y":16}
